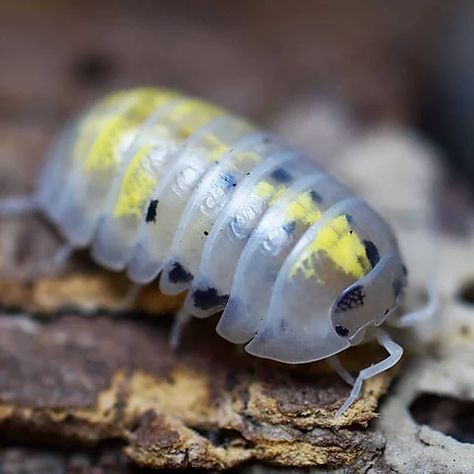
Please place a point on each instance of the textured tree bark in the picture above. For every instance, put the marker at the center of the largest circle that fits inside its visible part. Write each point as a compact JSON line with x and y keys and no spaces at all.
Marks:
{"x":85,"y":380}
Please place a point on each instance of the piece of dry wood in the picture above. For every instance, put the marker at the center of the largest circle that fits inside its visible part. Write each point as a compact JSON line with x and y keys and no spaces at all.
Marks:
{"x":81,"y":380}
{"x":87,"y":293}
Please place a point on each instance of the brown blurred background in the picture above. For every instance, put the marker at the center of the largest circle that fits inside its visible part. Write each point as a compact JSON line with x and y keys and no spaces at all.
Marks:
{"x":255,"y":57}
{"x":408,"y":62}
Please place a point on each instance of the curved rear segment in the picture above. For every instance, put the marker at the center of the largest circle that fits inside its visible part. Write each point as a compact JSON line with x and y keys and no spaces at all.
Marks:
{"x":75,"y":182}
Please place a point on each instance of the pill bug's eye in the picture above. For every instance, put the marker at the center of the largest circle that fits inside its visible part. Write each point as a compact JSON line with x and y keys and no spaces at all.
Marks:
{"x":351,"y":299}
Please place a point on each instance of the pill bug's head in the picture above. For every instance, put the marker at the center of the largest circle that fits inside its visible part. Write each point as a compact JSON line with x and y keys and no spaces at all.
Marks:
{"x":370,"y":300}
{"x":344,"y":275}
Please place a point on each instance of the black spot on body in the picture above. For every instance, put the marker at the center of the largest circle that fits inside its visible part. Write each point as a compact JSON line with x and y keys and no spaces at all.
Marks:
{"x":151,"y":211}
{"x":341,"y":330}
{"x":372,"y":252}
{"x":228,"y":180}
{"x":351,"y":299}
{"x":209,"y":298}
{"x":289,"y":227}
{"x":206,"y":233}
{"x":404,"y":270}
{"x":281,"y":175}
{"x":178,"y":274}
{"x":315,"y":196}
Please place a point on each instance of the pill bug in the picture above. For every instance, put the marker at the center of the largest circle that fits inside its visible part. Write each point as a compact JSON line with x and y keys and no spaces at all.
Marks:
{"x":157,"y":183}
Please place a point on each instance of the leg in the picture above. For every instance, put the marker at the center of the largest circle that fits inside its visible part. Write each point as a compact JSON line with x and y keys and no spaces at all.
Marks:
{"x":18,"y":205}
{"x":62,"y":255}
{"x":52,"y":264}
{"x":181,"y":319}
{"x":340,"y":370}
{"x":422,"y":314}
{"x":131,"y":296}
{"x":23,"y":205}
{"x":395,"y":353}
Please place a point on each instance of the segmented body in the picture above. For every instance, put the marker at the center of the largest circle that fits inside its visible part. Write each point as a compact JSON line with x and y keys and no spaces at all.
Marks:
{"x":156,"y":182}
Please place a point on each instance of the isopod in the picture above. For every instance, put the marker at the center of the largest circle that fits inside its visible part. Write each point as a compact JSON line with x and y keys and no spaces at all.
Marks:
{"x":157,"y":183}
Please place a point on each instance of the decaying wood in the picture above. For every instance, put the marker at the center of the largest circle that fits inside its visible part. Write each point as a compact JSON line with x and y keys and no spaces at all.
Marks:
{"x":87,"y":293}
{"x":80,"y":380}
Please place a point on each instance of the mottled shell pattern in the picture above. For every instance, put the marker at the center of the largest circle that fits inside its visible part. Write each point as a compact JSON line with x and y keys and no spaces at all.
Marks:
{"x":157,"y":182}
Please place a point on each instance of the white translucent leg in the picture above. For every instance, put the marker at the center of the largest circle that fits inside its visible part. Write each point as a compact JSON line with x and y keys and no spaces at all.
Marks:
{"x":427,"y":312}
{"x":18,"y":205}
{"x":181,"y":320}
{"x":395,"y":353}
{"x":336,"y":365}
{"x":62,"y":255}
{"x":57,"y":262}
{"x":130,"y":297}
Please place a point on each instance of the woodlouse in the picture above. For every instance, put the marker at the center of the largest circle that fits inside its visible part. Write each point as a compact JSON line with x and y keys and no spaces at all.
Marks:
{"x":155,"y":182}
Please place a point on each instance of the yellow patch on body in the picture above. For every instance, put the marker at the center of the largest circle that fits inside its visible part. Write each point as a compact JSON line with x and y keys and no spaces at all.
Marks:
{"x":190,"y":115}
{"x":341,"y":245}
{"x":247,"y":158}
{"x":117,"y":119}
{"x":268,"y":191}
{"x":137,"y":184}
{"x":215,"y":150}
{"x":303,"y":209}
{"x":114,"y":125}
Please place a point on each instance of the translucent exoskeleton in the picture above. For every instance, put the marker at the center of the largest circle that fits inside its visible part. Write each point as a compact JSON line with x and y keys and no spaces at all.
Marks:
{"x":159,"y":184}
